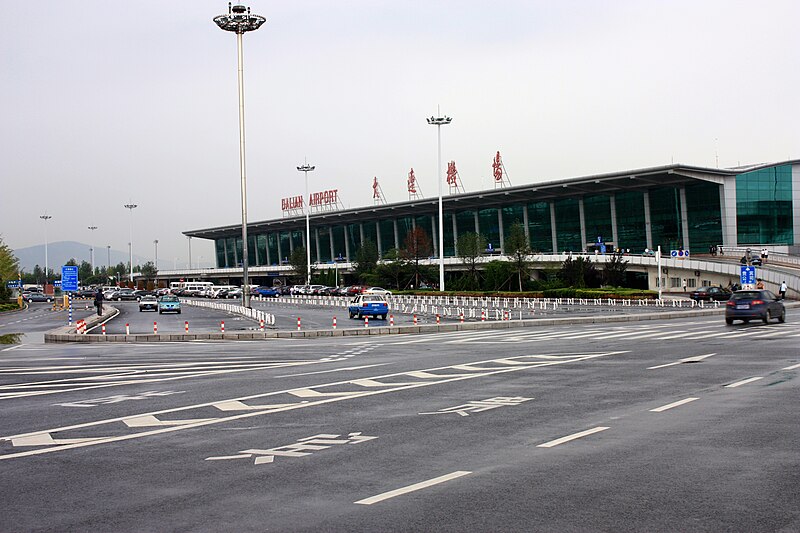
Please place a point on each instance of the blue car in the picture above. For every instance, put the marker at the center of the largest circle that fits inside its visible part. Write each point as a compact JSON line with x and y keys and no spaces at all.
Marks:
{"x":368,"y":305}
{"x":169,"y":304}
{"x":269,"y":292}
{"x":756,"y":304}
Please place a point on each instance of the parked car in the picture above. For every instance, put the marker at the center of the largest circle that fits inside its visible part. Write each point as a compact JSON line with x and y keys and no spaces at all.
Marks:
{"x":376,"y":290}
{"x":234,"y":293}
{"x":126,"y":295}
{"x":38,"y":297}
{"x":142,"y":293}
{"x":266,"y":291}
{"x":84,"y":293}
{"x":169,"y":304}
{"x":353,"y":290}
{"x":148,"y":303}
{"x":749,"y":305}
{"x":710,"y":293}
{"x":368,"y":305}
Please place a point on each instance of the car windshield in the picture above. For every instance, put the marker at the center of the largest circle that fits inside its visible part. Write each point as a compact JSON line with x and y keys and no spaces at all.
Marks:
{"x":169,"y":299}
{"x":746,"y":295}
{"x":373,"y":299}
{"x":148,"y":298}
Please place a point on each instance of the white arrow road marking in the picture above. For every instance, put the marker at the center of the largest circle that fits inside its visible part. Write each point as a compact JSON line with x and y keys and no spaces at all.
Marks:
{"x":574,"y":436}
{"x":45,"y":439}
{"x":412,"y":488}
{"x":150,"y":420}
{"x":236,"y":405}
{"x":180,"y":425}
{"x":693,"y":359}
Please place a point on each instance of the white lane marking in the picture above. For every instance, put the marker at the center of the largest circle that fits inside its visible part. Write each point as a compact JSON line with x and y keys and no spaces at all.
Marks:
{"x":687,"y":334}
{"x":12,"y":348}
{"x":791,"y":367}
{"x":574,"y":436}
{"x":412,"y":488}
{"x":673,"y":404}
{"x":333,"y":370}
{"x":693,"y":359}
{"x":743,"y":382}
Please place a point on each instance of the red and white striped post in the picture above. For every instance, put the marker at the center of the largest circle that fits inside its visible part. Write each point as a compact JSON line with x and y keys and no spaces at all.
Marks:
{"x":366,"y":321}
{"x":127,"y":329}
{"x":461,"y":317}
{"x":298,"y":323}
{"x":222,"y":326}
{"x":103,"y":328}
{"x":186,"y":326}
{"x":155,"y":328}
{"x":334,"y":322}
{"x":262,"y":324}
{"x":391,"y":320}
{"x":415,"y":319}
{"x":483,"y":315}
{"x":437,"y":318}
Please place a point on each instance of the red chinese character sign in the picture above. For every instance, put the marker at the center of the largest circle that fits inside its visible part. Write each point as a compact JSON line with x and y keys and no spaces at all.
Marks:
{"x":414,"y":191}
{"x":377,"y":192}
{"x":501,"y":178}
{"x":453,"y":179}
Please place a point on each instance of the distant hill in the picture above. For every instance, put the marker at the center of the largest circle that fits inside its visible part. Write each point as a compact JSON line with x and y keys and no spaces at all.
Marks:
{"x":58,"y":253}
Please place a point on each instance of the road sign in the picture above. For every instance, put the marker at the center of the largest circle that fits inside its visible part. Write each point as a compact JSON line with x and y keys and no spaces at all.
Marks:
{"x":14,"y":284}
{"x":679,"y":254}
{"x":747,"y":275}
{"x":69,"y":278}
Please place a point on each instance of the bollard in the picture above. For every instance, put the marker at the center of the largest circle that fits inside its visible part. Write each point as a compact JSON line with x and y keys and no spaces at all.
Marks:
{"x":334,"y":322}
{"x":155,"y":328}
{"x":391,"y":320}
{"x":186,"y":326}
{"x":437,"y":318}
{"x":483,"y":315}
{"x":127,"y":329}
{"x":222,"y":326}
{"x":298,"y":323}
{"x":262,"y":324}
{"x":461,"y":317}
{"x":103,"y":328}
{"x":366,"y":321}
{"x":415,"y":320}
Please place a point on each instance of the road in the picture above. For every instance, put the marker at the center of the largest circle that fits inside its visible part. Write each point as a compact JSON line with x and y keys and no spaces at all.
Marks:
{"x":683,"y":425}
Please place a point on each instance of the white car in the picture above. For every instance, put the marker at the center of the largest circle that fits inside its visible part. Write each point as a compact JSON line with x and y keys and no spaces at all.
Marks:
{"x":376,"y":290}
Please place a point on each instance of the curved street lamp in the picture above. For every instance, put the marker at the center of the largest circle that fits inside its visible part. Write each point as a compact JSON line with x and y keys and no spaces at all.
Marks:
{"x":439,"y":122}
{"x":131,"y":207}
{"x":91,"y":247}
{"x":239,"y":20}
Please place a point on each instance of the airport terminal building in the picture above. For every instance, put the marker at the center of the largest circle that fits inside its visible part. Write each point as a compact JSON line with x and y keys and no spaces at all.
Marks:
{"x":675,"y":207}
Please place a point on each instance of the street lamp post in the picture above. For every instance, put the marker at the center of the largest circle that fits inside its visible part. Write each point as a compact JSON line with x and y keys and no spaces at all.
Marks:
{"x":108,"y":265}
{"x":439,"y":122}
{"x":91,"y":248}
{"x":190,"y":253}
{"x":305,"y":169}
{"x":131,"y":207}
{"x":239,"y":20}
{"x":155,"y":264}
{"x":45,"y":217}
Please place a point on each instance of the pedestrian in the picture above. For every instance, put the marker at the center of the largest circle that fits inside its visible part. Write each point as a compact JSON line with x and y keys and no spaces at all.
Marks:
{"x":782,"y":290}
{"x":721,"y":250}
{"x":760,"y":284}
{"x":766,"y":255}
{"x":684,"y":284}
{"x":98,"y":301}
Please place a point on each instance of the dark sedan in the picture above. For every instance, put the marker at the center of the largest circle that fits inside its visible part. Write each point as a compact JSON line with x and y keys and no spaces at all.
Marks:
{"x":750,"y":305}
{"x":125,"y":295}
{"x":710,"y":293}
{"x":38,"y":297}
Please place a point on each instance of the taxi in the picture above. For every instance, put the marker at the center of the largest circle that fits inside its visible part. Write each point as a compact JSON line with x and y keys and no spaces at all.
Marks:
{"x":169,"y":304}
{"x":368,"y":305}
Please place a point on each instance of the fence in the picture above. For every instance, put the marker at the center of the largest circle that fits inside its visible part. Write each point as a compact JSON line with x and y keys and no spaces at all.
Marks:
{"x":253,"y":314}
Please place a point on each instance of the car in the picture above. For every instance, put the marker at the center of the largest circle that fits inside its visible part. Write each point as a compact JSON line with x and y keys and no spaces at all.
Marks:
{"x":747,"y":305}
{"x":368,"y":305}
{"x":169,"y":304}
{"x":755,"y":259}
{"x":234,"y":293}
{"x":710,"y":293}
{"x":126,"y":295}
{"x":376,"y":290}
{"x":353,"y":290}
{"x":38,"y":297}
{"x":142,"y":293}
{"x":267,"y":291}
{"x":84,"y":293}
{"x":148,"y":303}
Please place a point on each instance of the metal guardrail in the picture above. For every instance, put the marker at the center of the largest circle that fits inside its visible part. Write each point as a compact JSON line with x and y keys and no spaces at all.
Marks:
{"x":256,"y":315}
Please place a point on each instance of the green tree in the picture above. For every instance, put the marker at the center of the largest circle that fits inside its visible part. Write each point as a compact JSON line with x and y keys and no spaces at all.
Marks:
{"x":84,"y":271}
{"x":148,"y":270}
{"x":518,"y":248}
{"x":470,"y":247}
{"x":614,"y":273}
{"x":498,"y":275}
{"x":417,"y":245}
{"x":299,"y":263}
{"x":578,"y":272}
{"x":9,"y":268}
{"x":366,"y":261}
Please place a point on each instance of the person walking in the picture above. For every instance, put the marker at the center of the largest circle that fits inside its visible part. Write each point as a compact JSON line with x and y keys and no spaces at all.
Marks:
{"x":782,"y":290}
{"x":760,"y":284}
{"x":98,"y":301}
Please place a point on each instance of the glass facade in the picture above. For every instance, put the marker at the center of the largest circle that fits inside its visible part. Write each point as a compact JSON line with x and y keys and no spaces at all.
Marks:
{"x":272,"y":248}
{"x":449,"y":241}
{"x":489,"y":227}
{"x":630,"y":221}
{"x":539,"y":227}
{"x":597,"y":216}
{"x":665,"y":218}
{"x":404,"y":225}
{"x":465,"y":222}
{"x":261,"y":249}
{"x":370,"y":232}
{"x":324,"y":244}
{"x":764,"y":206}
{"x":703,"y":213}
{"x":387,"y":234}
{"x":338,"y":241}
{"x":285,"y":248}
{"x":219,"y":248}
{"x":353,"y":239}
{"x":299,"y":240}
{"x":568,"y":225}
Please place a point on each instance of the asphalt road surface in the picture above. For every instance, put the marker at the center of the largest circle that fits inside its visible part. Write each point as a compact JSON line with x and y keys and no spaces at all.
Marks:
{"x":685,"y":425}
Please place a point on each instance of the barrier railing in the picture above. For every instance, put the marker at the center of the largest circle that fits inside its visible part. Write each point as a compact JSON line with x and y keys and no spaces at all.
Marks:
{"x":256,"y":315}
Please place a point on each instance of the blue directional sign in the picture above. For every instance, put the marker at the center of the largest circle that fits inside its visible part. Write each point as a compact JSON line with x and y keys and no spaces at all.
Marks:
{"x":747,"y":275}
{"x":69,"y":278}
{"x":14,"y":284}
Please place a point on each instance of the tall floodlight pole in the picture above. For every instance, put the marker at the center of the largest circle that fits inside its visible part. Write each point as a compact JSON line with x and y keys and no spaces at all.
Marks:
{"x":239,"y":20}
{"x":108,"y":265}
{"x":45,"y":217}
{"x":131,"y":207}
{"x":190,"y":252}
{"x":305,"y":169}
{"x":439,"y":122}
{"x":91,"y":247}
{"x":155,"y":243}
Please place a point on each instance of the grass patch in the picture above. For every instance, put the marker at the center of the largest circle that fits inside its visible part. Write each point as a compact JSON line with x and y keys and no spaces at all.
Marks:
{"x":10,"y":338}
{"x":8,"y":307}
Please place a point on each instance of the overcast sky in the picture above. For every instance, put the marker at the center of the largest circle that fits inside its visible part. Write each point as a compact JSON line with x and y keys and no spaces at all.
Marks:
{"x":106,"y":103}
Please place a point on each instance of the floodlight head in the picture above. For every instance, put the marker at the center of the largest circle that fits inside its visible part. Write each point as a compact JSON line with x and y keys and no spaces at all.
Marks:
{"x":439,"y":121}
{"x":239,"y":20}
{"x":306,"y":168}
